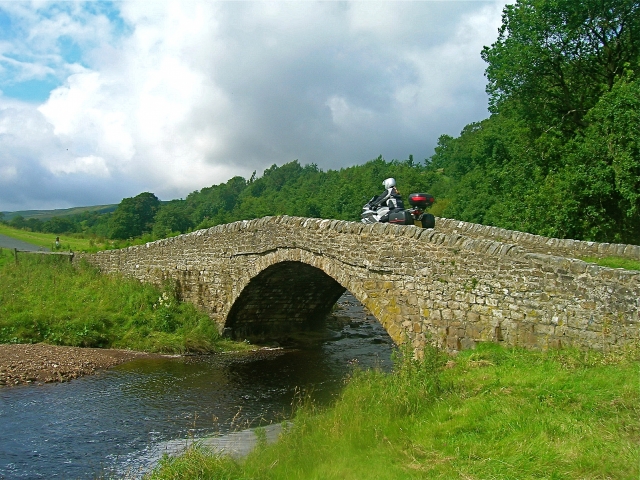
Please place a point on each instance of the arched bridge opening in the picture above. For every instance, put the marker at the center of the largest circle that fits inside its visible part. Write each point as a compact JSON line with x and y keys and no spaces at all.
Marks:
{"x":285,"y":298}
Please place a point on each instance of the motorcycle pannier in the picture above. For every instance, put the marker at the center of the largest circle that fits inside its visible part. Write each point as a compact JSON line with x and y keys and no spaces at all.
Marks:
{"x":402,"y":217}
{"x":421,"y":200}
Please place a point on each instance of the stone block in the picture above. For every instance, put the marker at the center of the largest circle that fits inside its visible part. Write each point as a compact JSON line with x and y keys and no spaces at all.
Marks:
{"x":544,"y":329}
{"x":473,"y":316}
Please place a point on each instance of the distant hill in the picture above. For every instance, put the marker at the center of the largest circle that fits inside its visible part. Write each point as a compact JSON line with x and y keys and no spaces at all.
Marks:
{"x":63,"y":212}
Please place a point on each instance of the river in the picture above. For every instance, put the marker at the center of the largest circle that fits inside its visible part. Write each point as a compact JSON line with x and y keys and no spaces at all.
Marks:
{"x":119,"y":422}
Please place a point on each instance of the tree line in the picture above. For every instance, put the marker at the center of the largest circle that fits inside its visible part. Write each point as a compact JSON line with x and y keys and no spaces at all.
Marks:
{"x":558,"y":156}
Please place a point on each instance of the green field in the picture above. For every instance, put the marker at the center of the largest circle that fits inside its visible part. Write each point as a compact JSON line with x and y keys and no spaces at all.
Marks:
{"x":614,"y":262}
{"x":68,"y":242}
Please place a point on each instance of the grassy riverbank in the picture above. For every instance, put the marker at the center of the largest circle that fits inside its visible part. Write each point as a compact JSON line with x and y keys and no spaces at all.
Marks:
{"x":490,"y":413}
{"x":45,"y":299}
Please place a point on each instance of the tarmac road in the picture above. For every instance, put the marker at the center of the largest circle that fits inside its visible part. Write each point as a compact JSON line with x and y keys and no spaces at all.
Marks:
{"x":8,"y":242}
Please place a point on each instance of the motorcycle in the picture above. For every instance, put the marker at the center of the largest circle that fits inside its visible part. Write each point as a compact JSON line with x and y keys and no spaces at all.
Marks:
{"x":415,"y":215}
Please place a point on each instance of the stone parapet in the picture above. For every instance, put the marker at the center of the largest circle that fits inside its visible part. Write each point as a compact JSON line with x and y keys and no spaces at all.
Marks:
{"x":552,"y":246}
{"x":277,"y":274}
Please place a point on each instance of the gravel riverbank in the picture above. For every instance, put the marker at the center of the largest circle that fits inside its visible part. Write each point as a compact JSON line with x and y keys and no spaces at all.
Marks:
{"x":41,"y":363}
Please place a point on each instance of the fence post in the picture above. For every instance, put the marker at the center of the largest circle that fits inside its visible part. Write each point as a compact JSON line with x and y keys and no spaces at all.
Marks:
{"x":15,"y":254}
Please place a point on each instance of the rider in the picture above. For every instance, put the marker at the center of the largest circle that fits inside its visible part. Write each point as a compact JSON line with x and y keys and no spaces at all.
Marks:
{"x":389,"y":198}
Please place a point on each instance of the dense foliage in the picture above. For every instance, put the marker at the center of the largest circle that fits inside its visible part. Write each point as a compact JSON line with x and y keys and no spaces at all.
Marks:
{"x":559,"y":155}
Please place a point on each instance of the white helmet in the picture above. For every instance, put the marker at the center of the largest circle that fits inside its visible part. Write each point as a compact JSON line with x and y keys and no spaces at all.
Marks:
{"x":389,"y":183}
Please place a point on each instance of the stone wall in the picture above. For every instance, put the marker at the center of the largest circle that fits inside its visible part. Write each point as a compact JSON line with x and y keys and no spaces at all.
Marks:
{"x":278,"y":273}
{"x":551,"y":246}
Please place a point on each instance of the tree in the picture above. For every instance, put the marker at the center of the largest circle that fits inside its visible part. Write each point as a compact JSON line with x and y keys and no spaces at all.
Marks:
{"x":59,"y":225}
{"x":171,"y":218}
{"x":134,"y":216}
{"x":554,"y":58}
{"x":602,"y":169}
{"x":17,"y":222}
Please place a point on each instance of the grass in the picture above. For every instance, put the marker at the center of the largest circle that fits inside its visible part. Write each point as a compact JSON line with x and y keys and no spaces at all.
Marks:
{"x":45,"y":299}
{"x":493,"y":413}
{"x":614,"y":262}
{"x":73,"y":242}
{"x":47,"y":240}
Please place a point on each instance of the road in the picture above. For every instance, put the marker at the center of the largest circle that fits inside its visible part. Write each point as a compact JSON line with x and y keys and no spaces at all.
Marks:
{"x":8,"y":242}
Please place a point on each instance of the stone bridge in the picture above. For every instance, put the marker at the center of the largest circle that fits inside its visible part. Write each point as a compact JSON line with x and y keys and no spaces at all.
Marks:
{"x":460,"y":283}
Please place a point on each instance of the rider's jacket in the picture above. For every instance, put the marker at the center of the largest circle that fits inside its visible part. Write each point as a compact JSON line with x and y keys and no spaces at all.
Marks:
{"x":389,"y":198}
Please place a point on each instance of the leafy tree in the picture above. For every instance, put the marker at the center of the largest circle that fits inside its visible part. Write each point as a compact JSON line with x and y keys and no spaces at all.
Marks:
{"x":33,"y":224}
{"x":559,"y":155}
{"x":553,"y":59}
{"x":133,"y":216}
{"x":600,"y":181}
{"x":171,"y":218}
{"x":17,"y":222}
{"x":59,"y":225}
{"x":213,"y":205}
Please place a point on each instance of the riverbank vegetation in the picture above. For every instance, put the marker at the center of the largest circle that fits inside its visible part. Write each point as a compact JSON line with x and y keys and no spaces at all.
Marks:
{"x":46,"y":299}
{"x":492,"y":412}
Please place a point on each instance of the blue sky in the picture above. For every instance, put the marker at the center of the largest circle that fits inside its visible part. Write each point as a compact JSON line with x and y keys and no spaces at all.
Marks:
{"x":104,"y":100}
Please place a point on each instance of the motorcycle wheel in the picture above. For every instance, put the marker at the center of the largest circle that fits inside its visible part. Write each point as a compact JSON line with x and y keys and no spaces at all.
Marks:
{"x":427,"y":220}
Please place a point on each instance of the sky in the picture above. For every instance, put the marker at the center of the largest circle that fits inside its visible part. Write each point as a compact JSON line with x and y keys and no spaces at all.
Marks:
{"x":100,"y":101}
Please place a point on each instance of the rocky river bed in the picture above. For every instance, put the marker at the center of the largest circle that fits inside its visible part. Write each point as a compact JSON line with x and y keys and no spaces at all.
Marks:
{"x":42,"y":363}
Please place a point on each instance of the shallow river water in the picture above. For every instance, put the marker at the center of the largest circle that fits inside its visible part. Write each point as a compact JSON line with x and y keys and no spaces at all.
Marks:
{"x":119,"y":422}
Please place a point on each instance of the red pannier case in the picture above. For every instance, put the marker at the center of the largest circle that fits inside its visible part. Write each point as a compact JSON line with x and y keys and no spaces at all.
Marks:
{"x":421,"y":200}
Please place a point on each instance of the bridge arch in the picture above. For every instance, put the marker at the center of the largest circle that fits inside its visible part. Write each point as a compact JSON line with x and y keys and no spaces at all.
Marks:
{"x":285,"y":297}
{"x":291,"y":290}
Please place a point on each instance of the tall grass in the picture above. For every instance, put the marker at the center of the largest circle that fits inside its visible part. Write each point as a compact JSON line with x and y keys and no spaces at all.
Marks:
{"x":43,"y":298}
{"x":493,"y":413}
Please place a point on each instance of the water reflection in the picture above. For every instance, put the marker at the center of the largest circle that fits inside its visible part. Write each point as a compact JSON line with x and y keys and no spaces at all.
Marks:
{"x":119,"y":419}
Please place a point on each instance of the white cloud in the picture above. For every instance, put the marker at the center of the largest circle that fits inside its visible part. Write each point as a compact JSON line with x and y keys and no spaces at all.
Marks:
{"x":347,"y":116}
{"x":188,"y":94}
{"x":88,"y":121}
{"x":442,"y":72}
{"x":8,"y":173}
{"x":91,"y":165}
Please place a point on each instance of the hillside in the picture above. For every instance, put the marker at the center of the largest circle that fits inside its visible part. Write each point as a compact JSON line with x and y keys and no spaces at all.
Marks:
{"x":63,"y":212}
